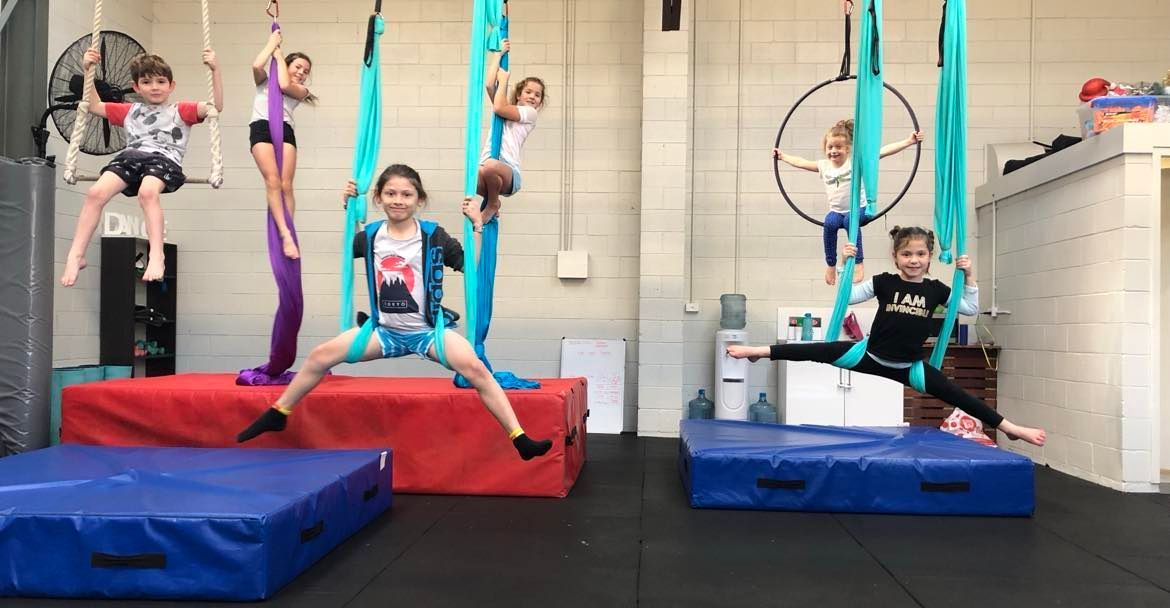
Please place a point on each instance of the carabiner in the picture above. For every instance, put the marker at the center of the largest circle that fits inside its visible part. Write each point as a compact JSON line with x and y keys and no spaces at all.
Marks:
{"x":268,"y":11}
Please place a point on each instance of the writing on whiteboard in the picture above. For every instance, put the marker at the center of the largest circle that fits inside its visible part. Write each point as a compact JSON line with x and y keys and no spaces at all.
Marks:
{"x":603,"y":364}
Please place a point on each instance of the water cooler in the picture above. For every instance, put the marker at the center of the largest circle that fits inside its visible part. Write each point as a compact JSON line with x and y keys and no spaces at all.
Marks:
{"x":731,"y":375}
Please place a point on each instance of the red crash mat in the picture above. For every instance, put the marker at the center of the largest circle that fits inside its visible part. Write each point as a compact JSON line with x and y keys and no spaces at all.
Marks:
{"x":444,"y":440}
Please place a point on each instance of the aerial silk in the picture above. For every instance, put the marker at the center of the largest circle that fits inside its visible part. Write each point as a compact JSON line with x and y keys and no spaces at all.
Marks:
{"x":291,"y":307}
{"x":950,"y":213}
{"x":950,"y":159}
{"x":365,"y":163}
{"x":479,"y":281}
{"x":867,"y":133}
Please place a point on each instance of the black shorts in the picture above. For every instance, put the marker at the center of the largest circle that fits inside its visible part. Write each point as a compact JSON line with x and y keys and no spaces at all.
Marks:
{"x":258,"y":134}
{"x":132,"y":166}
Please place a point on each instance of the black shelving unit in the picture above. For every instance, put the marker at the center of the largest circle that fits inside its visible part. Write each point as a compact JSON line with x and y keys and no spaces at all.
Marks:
{"x":122,"y":290}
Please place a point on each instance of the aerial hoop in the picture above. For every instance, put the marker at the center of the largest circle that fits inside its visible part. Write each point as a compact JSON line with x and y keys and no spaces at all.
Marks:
{"x":792,"y":110}
{"x":846,"y":60}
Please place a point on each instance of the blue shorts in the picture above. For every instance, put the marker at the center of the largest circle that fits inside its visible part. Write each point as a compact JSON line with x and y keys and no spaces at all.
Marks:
{"x":515,"y":178}
{"x":400,"y":343}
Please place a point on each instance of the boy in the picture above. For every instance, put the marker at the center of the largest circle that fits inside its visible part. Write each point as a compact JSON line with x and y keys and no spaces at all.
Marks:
{"x":157,"y":134}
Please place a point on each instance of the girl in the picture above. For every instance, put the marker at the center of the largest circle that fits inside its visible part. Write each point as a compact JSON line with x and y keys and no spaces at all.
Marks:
{"x":836,"y":171}
{"x":408,"y":294}
{"x":293,"y":71}
{"x":905,"y":303}
{"x":502,"y":177}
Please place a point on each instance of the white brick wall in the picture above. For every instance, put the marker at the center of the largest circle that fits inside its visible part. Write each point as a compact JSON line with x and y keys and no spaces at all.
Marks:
{"x":1073,"y":268}
{"x":665,"y":135}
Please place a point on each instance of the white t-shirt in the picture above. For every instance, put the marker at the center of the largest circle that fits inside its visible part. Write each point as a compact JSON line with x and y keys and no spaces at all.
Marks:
{"x":838,"y":182}
{"x":512,"y":141}
{"x":400,"y":281}
{"x":260,"y":105}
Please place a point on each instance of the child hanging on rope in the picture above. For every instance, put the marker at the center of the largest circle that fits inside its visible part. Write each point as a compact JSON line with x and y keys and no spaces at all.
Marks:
{"x":409,"y":292}
{"x":157,"y":133}
{"x":293,"y":71}
{"x":502,"y":177}
{"x":906,"y":300}
{"x":836,"y":171}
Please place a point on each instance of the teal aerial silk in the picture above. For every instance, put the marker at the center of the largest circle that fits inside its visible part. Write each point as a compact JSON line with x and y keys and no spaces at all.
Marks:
{"x":479,"y":281}
{"x":483,"y":12}
{"x":856,"y":353}
{"x":365,"y":161}
{"x":950,"y":160}
{"x":867,"y":134}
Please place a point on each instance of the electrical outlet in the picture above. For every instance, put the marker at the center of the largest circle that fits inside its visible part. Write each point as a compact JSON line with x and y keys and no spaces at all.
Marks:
{"x":691,"y":307}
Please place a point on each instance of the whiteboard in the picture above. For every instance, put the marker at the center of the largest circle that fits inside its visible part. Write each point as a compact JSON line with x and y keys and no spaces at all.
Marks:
{"x":603,"y":364}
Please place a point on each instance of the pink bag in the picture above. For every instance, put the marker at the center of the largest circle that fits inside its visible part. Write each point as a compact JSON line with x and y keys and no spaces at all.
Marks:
{"x":852,"y":328}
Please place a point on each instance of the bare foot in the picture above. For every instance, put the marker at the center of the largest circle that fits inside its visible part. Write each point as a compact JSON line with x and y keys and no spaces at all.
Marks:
{"x":1031,"y":435}
{"x":831,"y":275}
{"x":492,"y":210}
{"x":751,"y":353}
{"x":473,"y":213}
{"x":290,"y":247}
{"x":73,"y":267}
{"x":858,"y":272}
{"x":154,"y":269}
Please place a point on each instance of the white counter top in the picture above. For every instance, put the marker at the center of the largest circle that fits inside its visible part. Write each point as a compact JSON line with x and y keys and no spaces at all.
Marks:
{"x":1126,"y":139}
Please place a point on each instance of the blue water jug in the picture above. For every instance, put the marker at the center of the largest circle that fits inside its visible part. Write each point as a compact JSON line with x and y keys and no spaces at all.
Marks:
{"x":762,"y":411}
{"x":701,"y":408}
{"x":806,"y":328}
{"x":733,"y":311}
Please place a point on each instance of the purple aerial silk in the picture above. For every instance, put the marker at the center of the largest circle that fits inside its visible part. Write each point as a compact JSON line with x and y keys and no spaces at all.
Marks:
{"x":291,"y":308}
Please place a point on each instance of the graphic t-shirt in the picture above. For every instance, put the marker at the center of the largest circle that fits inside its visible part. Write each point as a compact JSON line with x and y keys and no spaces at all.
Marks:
{"x":400,"y":281}
{"x":902,"y":322}
{"x":150,"y":129}
{"x":838,"y":183}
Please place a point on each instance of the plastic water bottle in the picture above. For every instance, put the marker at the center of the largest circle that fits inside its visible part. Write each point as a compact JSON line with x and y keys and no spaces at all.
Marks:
{"x":806,"y":328}
{"x":762,"y":411}
{"x":701,"y":408}
{"x":733,"y":311}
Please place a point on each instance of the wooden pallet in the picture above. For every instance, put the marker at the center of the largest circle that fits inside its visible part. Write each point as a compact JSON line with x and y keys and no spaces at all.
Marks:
{"x":968,"y":368}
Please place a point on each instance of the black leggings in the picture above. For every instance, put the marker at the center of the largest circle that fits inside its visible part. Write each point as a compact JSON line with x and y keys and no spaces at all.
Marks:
{"x":937,"y":385}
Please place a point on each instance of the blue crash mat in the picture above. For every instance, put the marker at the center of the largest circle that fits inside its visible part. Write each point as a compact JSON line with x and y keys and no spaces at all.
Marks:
{"x":178,"y":523}
{"x":745,"y":465}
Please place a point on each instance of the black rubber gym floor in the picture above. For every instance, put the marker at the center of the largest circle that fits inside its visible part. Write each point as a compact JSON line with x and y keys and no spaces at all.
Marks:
{"x":626,"y":537}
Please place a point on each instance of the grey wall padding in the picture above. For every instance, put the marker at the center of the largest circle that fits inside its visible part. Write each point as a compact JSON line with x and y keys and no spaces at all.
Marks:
{"x":26,"y":304}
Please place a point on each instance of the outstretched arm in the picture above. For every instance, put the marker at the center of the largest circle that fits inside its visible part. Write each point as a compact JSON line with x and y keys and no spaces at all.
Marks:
{"x":898,"y":146}
{"x":861,"y":291}
{"x":260,"y":64}
{"x":91,"y":59}
{"x":969,"y":305}
{"x":359,"y":239}
{"x":452,"y":250}
{"x":212,"y":64}
{"x":795,"y":161}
